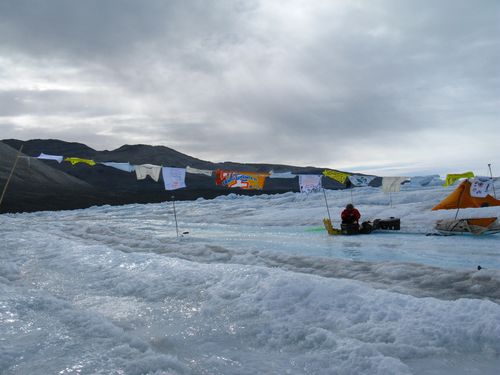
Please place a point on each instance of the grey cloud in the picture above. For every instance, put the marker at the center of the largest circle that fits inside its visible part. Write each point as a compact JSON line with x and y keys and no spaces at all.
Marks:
{"x":228,"y":80}
{"x":56,"y":103}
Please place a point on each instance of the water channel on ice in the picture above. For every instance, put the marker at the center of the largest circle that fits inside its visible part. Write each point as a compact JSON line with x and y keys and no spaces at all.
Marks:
{"x":256,"y":286}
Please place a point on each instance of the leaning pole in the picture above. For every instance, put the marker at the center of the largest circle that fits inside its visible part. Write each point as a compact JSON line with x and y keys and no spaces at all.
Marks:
{"x":10,"y":175}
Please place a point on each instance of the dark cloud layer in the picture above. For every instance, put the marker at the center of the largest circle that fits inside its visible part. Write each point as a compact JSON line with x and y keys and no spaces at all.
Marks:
{"x":340,"y":84}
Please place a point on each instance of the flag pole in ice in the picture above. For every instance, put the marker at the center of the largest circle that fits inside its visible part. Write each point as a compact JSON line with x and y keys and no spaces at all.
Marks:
{"x":11,"y":173}
{"x":491,"y":175}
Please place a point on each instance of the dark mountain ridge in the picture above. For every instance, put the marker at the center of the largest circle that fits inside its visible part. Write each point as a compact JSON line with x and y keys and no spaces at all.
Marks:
{"x":81,"y":185}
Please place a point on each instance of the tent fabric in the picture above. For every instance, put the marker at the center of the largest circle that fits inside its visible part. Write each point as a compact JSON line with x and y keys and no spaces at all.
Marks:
{"x":461,"y":198}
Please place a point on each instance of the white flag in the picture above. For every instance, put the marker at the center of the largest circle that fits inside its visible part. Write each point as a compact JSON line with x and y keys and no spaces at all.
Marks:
{"x":309,"y":183}
{"x":273,"y":174}
{"x":424,"y":180}
{"x":481,"y":187}
{"x":144,"y":170}
{"x":392,"y":184}
{"x":174,"y":178}
{"x":205,"y":172}
{"x":126,"y":167}
{"x":57,"y":158}
{"x":358,"y":180}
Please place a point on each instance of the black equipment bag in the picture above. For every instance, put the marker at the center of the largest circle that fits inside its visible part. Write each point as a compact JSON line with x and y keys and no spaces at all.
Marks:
{"x":349,"y":228}
{"x":393,"y":223}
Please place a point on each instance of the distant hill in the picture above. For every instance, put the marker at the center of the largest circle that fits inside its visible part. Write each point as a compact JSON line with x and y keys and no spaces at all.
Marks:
{"x":36,"y":186}
{"x":48,"y":185}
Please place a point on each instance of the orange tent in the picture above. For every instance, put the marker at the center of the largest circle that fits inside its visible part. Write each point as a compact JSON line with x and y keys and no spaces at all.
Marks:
{"x":461,"y":198}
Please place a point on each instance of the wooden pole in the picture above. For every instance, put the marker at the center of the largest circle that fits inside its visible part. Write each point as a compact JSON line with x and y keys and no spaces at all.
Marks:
{"x":492,"y":181}
{"x":327,"y":209}
{"x":175,"y":216}
{"x":10,"y":175}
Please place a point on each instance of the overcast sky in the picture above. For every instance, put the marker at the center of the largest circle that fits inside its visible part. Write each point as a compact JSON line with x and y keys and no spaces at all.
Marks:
{"x":377,"y":86}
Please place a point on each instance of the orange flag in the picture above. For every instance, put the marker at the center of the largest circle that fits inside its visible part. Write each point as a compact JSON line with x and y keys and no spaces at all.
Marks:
{"x":242,"y":180}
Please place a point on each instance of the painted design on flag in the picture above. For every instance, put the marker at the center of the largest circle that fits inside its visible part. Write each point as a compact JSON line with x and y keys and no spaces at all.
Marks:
{"x":452,"y":177}
{"x":309,"y":183}
{"x":481,"y":187}
{"x":242,"y":180}
{"x":336,"y":175}
{"x":358,"y":180}
{"x":174,"y":178}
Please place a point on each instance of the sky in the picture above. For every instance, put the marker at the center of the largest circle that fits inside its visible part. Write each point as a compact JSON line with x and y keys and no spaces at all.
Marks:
{"x":390,"y":87}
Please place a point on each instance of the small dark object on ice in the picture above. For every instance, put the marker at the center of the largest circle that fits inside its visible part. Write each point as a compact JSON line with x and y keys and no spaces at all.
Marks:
{"x":393,"y":223}
{"x":479,"y":268}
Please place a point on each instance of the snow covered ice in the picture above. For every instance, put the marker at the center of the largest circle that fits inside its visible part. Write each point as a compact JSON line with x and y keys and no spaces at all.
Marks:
{"x":254,"y":288}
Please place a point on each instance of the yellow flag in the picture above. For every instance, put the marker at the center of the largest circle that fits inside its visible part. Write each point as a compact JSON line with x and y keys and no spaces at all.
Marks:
{"x":452,"y":177}
{"x":74,"y":161}
{"x":336,"y":175}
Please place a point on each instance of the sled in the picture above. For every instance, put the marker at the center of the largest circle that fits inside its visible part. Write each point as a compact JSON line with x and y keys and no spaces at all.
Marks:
{"x":475,"y":226}
{"x":366,"y":227}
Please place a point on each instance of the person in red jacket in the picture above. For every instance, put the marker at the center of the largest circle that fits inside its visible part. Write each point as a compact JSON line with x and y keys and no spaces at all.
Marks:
{"x":350,"y":215}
